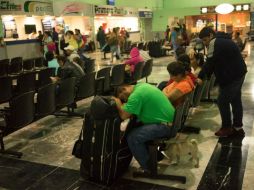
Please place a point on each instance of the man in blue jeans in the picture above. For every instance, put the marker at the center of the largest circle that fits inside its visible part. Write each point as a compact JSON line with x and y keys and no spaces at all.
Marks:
{"x":153,"y":109}
{"x":225,"y":60}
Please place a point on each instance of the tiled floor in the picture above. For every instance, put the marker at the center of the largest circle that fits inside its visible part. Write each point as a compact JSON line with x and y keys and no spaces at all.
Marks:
{"x":47,"y":162}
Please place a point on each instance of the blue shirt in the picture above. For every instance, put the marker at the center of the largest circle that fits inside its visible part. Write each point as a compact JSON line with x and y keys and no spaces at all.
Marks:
{"x":53,"y":64}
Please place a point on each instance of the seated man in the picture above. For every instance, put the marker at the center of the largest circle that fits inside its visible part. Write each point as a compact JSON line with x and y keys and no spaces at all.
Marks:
{"x":153,"y":109}
{"x":68,"y":69}
{"x":71,"y":53}
{"x":181,"y":85}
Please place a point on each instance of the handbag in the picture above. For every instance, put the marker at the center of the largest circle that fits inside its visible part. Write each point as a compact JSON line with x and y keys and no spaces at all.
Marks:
{"x":77,"y":150}
{"x":51,"y":46}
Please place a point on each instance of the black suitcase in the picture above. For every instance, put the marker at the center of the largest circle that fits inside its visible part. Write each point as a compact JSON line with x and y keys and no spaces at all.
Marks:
{"x":106,"y":154}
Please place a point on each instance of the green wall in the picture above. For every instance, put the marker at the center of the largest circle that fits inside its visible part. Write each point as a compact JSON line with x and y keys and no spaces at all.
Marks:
{"x":1,"y":28}
{"x":125,"y":3}
{"x":181,"y":8}
{"x":173,"y":4}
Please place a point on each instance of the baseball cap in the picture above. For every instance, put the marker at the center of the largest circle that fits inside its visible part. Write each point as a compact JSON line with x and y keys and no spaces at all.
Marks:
{"x":69,"y":47}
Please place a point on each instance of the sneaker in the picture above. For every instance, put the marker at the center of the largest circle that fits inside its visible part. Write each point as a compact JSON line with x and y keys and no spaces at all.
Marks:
{"x":224,"y":132}
{"x":238,"y":133}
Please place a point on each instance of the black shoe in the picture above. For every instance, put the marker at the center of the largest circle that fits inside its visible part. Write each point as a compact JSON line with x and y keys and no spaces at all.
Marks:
{"x":238,"y":133}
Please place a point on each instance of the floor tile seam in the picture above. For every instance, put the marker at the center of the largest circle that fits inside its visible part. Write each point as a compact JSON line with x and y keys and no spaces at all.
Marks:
{"x":72,"y":185}
{"x":42,"y":178}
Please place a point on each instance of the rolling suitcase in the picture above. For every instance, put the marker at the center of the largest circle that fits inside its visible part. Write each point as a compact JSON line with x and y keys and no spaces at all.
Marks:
{"x":106,"y":154}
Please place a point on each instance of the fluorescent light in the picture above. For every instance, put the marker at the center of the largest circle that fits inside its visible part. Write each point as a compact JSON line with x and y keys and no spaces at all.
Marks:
{"x":7,"y":18}
{"x":224,"y":8}
{"x":204,"y":10}
{"x":238,"y":7}
{"x":29,"y":20}
{"x":246,"y":7}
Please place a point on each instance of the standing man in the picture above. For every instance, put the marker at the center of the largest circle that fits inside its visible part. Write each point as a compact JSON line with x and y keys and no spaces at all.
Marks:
{"x":153,"y":109}
{"x":225,"y":61}
{"x":56,"y":40}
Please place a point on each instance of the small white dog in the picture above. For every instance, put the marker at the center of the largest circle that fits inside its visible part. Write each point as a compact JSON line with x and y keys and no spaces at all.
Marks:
{"x":177,"y":147}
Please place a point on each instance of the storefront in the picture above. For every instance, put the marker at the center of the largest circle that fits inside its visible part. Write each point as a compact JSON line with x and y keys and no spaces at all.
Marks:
{"x":238,"y":20}
{"x":110,"y":17}
{"x":21,"y":20}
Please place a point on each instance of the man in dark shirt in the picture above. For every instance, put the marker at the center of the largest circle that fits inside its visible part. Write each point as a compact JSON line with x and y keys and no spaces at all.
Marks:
{"x":68,"y":69}
{"x":225,"y":61}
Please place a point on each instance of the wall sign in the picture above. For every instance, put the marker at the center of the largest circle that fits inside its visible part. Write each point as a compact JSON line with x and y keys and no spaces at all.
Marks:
{"x":115,"y":11}
{"x":72,"y":8}
{"x":10,"y":6}
{"x":38,"y":7}
{"x":145,"y":14}
{"x":237,"y":8}
{"x":21,"y":7}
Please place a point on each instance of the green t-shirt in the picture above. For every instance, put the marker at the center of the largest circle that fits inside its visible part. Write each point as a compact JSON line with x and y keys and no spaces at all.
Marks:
{"x":149,"y":104}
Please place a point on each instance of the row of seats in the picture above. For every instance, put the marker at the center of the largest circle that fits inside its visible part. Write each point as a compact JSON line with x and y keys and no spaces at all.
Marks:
{"x":191,"y":100}
{"x":24,"y":82}
{"x":17,"y":65}
{"x":51,"y":98}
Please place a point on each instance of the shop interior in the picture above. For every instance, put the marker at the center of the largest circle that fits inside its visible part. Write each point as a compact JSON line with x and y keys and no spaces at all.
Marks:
{"x":131,"y":24}
{"x":236,"y":21}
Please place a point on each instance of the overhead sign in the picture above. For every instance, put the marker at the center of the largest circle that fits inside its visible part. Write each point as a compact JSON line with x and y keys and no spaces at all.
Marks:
{"x":36,"y":7}
{"x":115,"y":11}
{"x":145,"y":14}
{"x":10,"y":6}
{"x":72,"y":8}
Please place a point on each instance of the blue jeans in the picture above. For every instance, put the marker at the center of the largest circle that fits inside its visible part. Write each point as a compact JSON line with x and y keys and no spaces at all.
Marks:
{"x":138,"y":136}
{"x":231,"y":95}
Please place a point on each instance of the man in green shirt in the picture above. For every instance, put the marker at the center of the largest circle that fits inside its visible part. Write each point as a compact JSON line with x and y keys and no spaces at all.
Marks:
{"x":153,"y":109}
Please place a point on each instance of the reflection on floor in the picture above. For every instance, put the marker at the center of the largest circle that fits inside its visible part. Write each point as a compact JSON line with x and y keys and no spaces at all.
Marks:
{"x":47,"y":162}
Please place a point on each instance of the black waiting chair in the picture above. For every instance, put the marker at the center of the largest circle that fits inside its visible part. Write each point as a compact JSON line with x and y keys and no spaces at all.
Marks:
{"x":44,"y":76}
{"x":89,"y":65}
{"x":137,"y":74}
{"x":5,"y":89}
{"x":39,"y":62}
{"x":147,"y":70}
{"x":19,"y":114}
{"x":4,"y":66}
{"x":65,"y":95}
{"x":198,"y":93}
{"x":28,"y":65}
{"x":105,"y":73}
{"x":188,"y":102}
{"x":15,"y":66}
{"x":206,"y":96}
{"x":26,"y":82}
{"x":117,"y":75}
{"x":153,"y":149}
{"x":86,"y":86}
{"x":85,"y":89}
{"x":46,"y":102}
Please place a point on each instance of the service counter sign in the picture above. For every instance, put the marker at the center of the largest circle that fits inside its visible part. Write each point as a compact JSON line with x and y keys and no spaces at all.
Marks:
{"x":21,"y":7}
{"x":115,"y":11}
{"x":72,"y":8}
{"x":145,"y":14}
